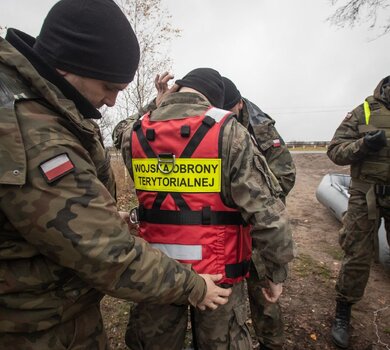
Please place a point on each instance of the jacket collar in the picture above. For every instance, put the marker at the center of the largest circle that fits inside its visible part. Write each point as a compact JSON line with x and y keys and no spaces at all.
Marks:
{"x":24,"y":44}
{"x":180,"y":105}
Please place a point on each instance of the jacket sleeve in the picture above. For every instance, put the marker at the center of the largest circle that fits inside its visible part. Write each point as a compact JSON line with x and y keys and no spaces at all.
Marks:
{"x":346,"y":146}
{"x":74,"y":222}
{"x":117,"y":133}
{"x":277,"y":154}
{"x":247,"y":185}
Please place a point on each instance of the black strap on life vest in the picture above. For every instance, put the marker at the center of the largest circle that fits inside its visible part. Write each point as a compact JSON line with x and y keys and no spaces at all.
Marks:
{"x":189,"y":150}
{"x":143,"y":141}
{"x":179,"y":200}
{"x":189,"y":217}
{"x":238,"y":269}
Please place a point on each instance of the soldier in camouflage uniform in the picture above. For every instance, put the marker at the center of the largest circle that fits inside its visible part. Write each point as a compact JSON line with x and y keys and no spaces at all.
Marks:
{"x":247,"y":185}
{"x":63,"y":243}
{"x":361,"y":140}
{"x":266,"y":317}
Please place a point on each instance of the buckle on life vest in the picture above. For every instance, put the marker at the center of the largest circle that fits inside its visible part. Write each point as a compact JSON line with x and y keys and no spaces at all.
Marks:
{"x":134,"y":215}
{"x":166,"y":162}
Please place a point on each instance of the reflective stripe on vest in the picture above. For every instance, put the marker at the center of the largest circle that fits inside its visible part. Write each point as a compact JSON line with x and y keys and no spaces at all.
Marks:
{"x":180,"y":251}
{"x":216,"y":113}
{"x":367,"y":112}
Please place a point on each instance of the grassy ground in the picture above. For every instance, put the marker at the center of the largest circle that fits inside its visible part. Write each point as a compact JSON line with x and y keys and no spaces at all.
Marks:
{"x":308,"y":148}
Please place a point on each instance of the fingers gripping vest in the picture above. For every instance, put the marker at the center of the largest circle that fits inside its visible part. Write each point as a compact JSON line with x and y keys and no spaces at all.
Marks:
{"x":177,"y":171}
{"x":375,"y":168}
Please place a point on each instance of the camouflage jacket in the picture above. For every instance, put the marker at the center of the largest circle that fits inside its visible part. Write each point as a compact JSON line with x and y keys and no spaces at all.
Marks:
{"x":119,"y":129}
{"x":347,"y":146}
{"x":271,"y":144}
{"x":247,"y":185}
{"x":63,"y":244}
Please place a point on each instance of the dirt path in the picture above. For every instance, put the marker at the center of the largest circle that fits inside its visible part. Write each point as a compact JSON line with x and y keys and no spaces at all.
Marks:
{"x":308,"y":299}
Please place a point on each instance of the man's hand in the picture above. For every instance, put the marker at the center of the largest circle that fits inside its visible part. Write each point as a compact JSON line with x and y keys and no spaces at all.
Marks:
{"x":161,"y":84}
{"x":215,"y":295}
{"x":375,"y":140}
{"x":273,"y":291}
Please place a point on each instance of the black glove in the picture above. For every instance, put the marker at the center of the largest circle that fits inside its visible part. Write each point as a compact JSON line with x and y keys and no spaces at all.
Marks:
{"x":375,"y":140}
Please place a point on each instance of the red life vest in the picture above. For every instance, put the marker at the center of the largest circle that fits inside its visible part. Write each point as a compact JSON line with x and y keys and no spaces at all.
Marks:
{"x":177,"y":172}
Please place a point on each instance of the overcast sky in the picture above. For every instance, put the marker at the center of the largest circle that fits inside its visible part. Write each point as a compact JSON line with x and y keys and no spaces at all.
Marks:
{"x":283,"y":55}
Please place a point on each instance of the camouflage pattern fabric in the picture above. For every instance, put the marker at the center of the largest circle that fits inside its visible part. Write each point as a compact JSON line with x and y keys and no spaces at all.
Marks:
{"x":120,"y":128}
{"x":63,"y":244}
{"x":346,"y":146}
{"x":267,"y":317}
{"x":357,"y":237}
{"x":248,"y":184}
{"x":154,"y":327}
{"x":271,"y":144}
{"x":81,"y":333}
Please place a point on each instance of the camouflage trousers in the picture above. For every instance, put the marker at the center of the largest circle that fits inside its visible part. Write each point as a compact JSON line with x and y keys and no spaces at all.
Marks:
{"x":358,"y":239}
{"x":162,"y":327}
{"x":267,"y":317}
{"x":86,"y":332}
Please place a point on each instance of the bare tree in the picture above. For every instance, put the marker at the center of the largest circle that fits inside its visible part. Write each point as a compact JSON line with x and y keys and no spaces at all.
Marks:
{"x":3,"y":29}
{"x":353,"y":12}
{"x":152,"y":25}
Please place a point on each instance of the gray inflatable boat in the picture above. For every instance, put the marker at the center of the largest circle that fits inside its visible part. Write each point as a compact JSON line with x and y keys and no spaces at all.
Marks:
{"x":332,"y":192}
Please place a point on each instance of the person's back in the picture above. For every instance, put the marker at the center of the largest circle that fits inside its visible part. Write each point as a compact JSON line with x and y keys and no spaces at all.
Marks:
{"x":187,"y":116}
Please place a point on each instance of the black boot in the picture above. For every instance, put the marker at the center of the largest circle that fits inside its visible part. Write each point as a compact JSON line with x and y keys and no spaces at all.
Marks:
{"x":340,"y":335}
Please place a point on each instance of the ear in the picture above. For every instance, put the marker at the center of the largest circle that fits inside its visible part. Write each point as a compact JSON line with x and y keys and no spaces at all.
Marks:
{"x":241,"y":104}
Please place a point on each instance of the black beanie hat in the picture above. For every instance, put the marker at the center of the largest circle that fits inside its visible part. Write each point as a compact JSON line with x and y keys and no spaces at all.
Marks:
{"x":90,"y":38}
{"x":232,"y":95}
{"x":208,"y":82}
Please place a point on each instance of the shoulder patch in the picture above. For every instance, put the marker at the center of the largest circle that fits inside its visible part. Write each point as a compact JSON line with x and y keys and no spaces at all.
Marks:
{"x":56,"y":167}
{"x":348,"y":116}
{"x":276,"y":143}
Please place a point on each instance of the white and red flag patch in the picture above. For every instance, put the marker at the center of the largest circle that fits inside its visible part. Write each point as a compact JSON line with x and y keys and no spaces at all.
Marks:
{"x":276,"y":143}
{"x":56,"y":167}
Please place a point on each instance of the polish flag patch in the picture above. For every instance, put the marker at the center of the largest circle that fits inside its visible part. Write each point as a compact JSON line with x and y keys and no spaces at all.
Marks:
{"x":276,"y":143}
{"x":56,"y":167}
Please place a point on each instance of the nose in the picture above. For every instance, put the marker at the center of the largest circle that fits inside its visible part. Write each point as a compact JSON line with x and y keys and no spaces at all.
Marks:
{"x":110,"y":99}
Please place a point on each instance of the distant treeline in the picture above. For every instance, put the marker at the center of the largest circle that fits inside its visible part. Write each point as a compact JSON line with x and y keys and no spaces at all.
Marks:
{"x":307,"y":144}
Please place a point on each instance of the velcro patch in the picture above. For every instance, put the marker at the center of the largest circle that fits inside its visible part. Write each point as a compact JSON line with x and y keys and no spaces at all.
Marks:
{"x":276,"y":143}
{"x":348,"y":116}
{"x":56,"y":167}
